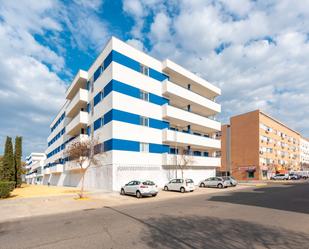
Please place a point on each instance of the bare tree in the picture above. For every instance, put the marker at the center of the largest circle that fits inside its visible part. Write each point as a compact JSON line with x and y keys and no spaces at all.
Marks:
{"x":83,"y":153}
{"x":185,"y":159}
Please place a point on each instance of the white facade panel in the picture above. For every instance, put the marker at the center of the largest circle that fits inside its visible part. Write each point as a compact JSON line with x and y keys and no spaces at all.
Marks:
{"x":136,"y":106}
{"x":133,"y":132}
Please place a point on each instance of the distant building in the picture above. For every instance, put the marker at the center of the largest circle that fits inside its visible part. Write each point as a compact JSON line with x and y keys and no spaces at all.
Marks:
{"x":255,"y":146}
{"x":144,"y":112}
{"x":34,"y":168}
{"x":304,"y":153}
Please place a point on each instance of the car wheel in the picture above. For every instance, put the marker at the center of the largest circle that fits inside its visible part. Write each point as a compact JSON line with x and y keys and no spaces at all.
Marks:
{"x":165,"y":188}
{"x":220,"y":185}
{"x":122,"y":192}
{"x":138,"y":194}
{"x":202,"y":185}
{"x":154,"y":195}
{"x":182,"y":190}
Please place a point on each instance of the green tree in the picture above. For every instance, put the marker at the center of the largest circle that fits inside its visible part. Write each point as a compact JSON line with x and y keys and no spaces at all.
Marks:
{"x":8,"y":167}
{"x":1,"y":167}
{"x":17,"y":159}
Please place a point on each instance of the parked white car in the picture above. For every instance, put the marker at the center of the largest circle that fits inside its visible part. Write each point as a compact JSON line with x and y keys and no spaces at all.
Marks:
{"x":182,"y":185}
{"x":232,"y":181}
{"x":216,"y":182}
{"x":140,"y":188}
{"x":280,"y":177}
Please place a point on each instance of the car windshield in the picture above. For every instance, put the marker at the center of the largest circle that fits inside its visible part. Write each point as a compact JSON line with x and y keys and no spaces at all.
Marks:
{"x":189,"y":181}
{"x":150,"y":183}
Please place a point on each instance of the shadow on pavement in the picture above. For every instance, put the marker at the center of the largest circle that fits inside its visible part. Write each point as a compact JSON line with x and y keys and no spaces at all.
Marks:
{"x":208,"y":232}
{"x":288,"y":197}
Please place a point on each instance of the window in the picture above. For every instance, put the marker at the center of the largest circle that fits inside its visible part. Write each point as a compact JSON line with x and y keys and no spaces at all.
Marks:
{"x":98,"y":148}
{"x":91,"y":84}
{"x":144,"y":121}
{"x":144,"y":95}
{"x":144,"y":147}
{"x":97,"y":99}
{"x":97,"y":124}
{"x":144,"y":70}
{"x":92,"y":107}
{"x":173,"y":151}
{"x":251,"y":174}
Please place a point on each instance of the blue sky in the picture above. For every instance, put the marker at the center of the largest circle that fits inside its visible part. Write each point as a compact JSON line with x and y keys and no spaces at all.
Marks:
{"x":255,"y":51}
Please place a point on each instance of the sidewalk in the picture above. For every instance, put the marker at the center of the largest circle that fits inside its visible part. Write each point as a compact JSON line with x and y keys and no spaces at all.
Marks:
{"x":28,"y":191}
{"x":11,"y":209}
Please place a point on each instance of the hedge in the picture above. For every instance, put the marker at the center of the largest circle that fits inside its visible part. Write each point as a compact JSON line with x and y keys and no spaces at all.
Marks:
{"x":6,"y":188}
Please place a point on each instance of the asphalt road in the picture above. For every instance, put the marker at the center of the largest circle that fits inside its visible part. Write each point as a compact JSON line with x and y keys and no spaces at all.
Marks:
{"x":275,"y":216}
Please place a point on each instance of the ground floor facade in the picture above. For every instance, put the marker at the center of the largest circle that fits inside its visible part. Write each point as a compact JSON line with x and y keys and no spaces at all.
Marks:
{"x":118,"y":168}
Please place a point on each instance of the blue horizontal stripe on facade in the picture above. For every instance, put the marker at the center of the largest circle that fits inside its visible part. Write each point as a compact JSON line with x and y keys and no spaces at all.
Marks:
{"x":131,"y":118}
{"x":128,"y":62}
{"x":56,"y":137}
{"x":127,"y":145}
{"x":117,"y":86}
{"x":58,"y":122}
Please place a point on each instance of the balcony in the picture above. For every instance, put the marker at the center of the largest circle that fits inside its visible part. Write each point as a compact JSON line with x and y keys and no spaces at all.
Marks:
{"x":177,"y":138}
{"x":195,"y":161}
{"x":78,"y":102}
{"x":32,"y":175}
{"x":36,"y":165}
{"x":46,"y":171}
{"x":79,"y":138}
{"x":184,"y":77}
{"x":72,"y":166}
{"x":181,"y":97}
{"x":183,"y":118}
{"x":80,"y":81}
{"x":78,"y":122}
{"x":56,"y":169}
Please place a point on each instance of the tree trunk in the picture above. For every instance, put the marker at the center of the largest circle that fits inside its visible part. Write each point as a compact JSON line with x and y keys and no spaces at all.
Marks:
{"x":81,"y":194}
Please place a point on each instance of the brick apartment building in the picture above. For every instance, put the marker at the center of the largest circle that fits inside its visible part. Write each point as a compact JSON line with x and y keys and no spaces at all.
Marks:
{"x":255,"y":146}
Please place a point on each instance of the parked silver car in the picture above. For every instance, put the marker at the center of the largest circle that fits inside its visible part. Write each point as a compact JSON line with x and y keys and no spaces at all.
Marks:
{"x":216,"y":182}
{"x":232,"y":182}
{"x":182,"y":185}
{"x":293,"y":176}
{"x":280,"y":177}
{"x":140,"y":188}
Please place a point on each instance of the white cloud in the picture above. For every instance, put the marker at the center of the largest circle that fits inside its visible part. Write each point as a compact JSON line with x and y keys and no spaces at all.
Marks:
{"x":264,"y":60}
{"x":87,"y":31}
{"x":30,"y":93}
{"x":136,"y":43}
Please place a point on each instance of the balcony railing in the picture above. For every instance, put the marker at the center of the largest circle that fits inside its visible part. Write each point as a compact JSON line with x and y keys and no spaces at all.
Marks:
{"x":177,"y":93}
{"x":175,"y":137}
{"x":183,"y":118}
{"x":78,"y":82}
{"x":76,"y":123}
{"x":80,"y":98}
{"x":58,"y":168}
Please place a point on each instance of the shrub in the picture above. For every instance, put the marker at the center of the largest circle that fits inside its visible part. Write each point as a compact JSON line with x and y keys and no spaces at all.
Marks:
{"x":6,"y":188}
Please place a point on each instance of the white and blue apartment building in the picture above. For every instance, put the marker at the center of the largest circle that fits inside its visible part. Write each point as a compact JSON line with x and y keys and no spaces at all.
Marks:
{"x":143,"y":112}
{"x":35,"y":163}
